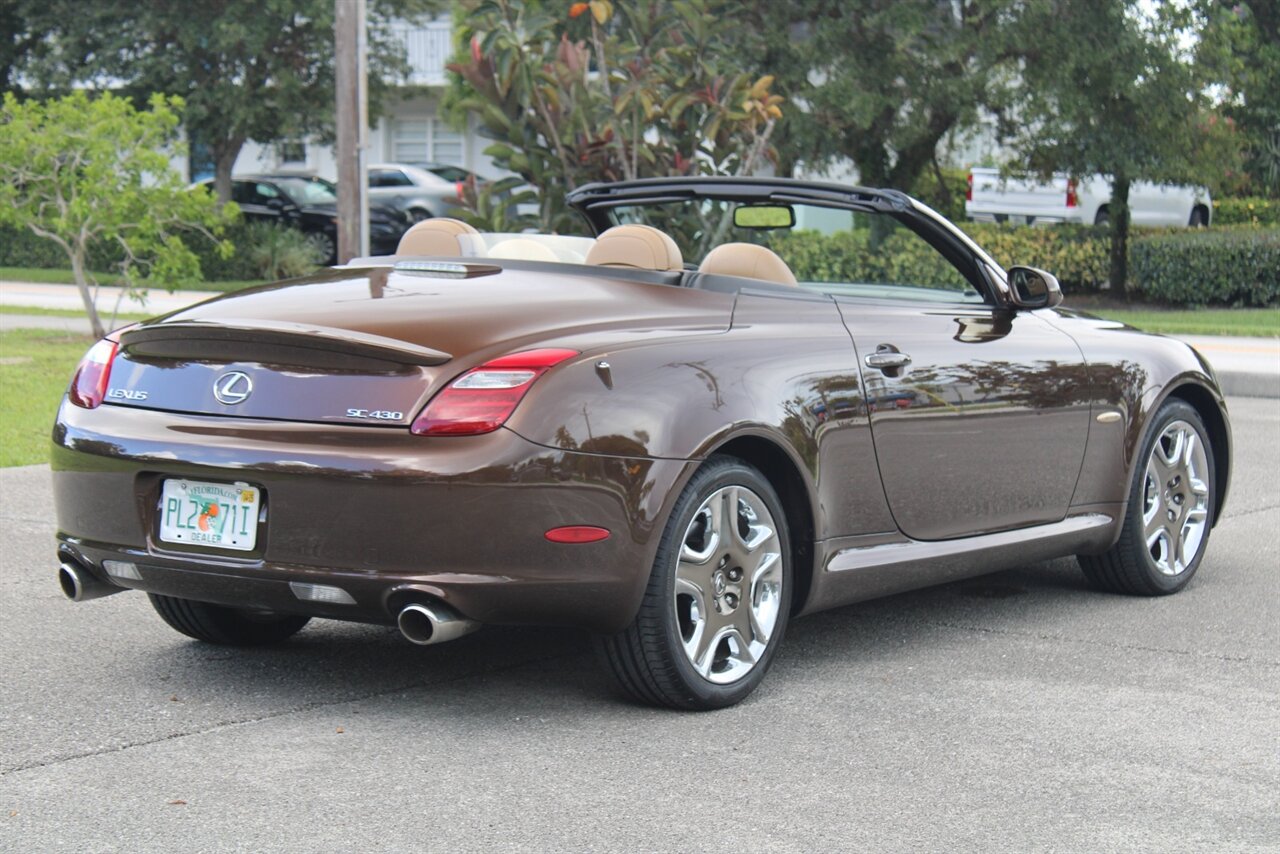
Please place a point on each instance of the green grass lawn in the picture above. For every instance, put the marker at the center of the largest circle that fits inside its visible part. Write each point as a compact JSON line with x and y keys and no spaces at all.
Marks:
{"x":1250,"y":322}
{"x":64,"y":277}
{"x":35,"y":366}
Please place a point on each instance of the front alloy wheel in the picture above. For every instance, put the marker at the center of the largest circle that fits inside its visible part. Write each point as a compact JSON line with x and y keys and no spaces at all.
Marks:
{"x":718,"y":598}
{"x":1170,"y":510}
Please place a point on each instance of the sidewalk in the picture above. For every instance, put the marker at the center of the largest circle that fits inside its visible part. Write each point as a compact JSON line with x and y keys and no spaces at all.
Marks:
{"x":68,"y":297}
{"x":1248,"y":367}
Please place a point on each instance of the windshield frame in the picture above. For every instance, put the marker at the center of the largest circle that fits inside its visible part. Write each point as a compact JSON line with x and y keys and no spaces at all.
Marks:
{"x":594,"y":202}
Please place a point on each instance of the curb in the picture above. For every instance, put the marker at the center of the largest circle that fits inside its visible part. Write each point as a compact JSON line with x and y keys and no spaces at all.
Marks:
{"x":1240,"y":384}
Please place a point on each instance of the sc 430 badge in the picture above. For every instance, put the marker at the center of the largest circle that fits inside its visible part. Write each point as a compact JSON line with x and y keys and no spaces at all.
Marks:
{"x":375,"y":414}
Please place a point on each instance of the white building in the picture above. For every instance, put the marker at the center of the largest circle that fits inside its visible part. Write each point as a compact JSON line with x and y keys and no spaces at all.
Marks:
{"x":410,"y":131}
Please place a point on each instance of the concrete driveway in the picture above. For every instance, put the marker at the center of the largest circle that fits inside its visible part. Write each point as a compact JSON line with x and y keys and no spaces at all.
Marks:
{"x":1014,"y":712}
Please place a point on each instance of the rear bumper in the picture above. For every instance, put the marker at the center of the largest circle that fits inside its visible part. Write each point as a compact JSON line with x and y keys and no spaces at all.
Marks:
{"x":979,"y":212}
{"x":384,"y":515}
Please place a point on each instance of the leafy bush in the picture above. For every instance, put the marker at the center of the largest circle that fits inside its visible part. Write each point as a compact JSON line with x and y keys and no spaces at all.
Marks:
{"x":274,"y":252}
{"x":262,"y":251}
{"x":1225,"y":267}
{"x":1246,"y":211}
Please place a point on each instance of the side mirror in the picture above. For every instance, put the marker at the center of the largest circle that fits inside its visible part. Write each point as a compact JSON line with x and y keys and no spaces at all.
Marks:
{"x":1033,"y":288}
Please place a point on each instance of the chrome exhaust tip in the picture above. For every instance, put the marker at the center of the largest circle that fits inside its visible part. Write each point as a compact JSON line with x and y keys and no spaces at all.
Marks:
{"x":428,"y":623}
{"x":79,"y":585}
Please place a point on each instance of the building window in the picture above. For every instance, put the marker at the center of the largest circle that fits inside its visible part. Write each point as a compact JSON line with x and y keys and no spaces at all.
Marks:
{"x":426,"y":141}
{"x":293,"y":153}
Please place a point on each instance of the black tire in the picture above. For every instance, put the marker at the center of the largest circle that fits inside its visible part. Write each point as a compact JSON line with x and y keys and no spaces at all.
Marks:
{"x":1199,"y":217}
{"x":226,"y":626}
{"x":648,"y":660}
{"x":1129,"y":566}
{"x":1102,"y":217}
{"x":417,"y":215}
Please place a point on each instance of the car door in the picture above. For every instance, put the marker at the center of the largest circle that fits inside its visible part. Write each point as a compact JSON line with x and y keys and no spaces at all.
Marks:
{"x":979,"y":412}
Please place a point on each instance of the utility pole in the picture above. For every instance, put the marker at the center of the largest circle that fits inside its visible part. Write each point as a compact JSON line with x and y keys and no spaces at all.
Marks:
{"x":352,"y":128}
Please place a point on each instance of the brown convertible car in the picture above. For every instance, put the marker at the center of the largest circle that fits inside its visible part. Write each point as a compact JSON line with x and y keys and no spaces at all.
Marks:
{"x":657,"y":434}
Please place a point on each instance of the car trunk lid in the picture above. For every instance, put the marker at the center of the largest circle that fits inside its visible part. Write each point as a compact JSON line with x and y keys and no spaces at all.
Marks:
{"x":371,"y":346}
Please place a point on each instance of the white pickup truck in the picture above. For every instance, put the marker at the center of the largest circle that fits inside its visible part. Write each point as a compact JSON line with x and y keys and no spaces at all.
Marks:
{"x":992,"y":198}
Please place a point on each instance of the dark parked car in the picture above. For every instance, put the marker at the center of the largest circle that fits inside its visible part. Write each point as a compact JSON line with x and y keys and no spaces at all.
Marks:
{"x":658,"y":435}
{"x":311,"y":205}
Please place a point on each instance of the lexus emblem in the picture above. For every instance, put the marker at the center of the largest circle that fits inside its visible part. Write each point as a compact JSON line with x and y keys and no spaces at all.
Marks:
{"x":232,"y":387}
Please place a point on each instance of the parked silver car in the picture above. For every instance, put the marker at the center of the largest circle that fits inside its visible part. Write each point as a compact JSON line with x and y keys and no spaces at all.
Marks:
{"x":418,"y":191}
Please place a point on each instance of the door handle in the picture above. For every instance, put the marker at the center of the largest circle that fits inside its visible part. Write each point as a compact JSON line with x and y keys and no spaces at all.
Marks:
{"x":887,"y":358}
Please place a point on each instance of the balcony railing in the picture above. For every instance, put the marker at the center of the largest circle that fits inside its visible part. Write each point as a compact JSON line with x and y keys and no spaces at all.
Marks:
{"x":428,"y":47}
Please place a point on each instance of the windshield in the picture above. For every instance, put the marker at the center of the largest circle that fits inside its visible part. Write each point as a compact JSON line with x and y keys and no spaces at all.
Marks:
{"x":830,"y":250}
{"x":449,"y":173}
{"x":308,"y":191}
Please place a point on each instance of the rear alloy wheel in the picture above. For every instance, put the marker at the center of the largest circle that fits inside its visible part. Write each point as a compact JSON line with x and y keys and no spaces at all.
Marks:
{"x":718,"y":598}
{"x":1170,"y":511}
{"x":226,"y":626}
{"x":326,"y":246}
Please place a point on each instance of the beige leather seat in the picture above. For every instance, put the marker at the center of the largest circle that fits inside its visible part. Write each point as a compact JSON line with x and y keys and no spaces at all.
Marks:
{"x":437,"y":236}
{"x":748,"y":261}
{"x":522,"y":249}
{"x":639,"y":247}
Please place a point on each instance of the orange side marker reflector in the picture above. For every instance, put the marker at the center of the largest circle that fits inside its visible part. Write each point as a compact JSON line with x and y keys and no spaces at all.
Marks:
{"x":577,"y":534}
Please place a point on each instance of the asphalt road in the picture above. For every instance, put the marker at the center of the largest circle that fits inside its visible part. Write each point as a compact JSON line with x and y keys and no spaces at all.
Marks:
{"x":1015,"y":712}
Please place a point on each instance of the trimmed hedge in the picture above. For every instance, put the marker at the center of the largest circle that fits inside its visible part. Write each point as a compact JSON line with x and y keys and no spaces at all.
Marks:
{"x":1246,"y":211}
{"x":1219,"y":266}
{"x":1077,"y":255}
{"x":1239,"y":267}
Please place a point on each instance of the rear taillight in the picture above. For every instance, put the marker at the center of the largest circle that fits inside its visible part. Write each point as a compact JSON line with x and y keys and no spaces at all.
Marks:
{"x":1073,"y":199}
{"x":460,"y":188}
{"x":89,"y":383}
{"x":482,"y":399}
{"x":968,"y":191}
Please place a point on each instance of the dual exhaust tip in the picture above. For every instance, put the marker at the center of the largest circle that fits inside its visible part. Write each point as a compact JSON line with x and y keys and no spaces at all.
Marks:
{"x":422,"y":623}
{"x":79,"y":585}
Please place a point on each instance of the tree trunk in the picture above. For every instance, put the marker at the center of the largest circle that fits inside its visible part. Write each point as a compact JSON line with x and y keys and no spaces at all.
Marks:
{"x":82,"y":282}
{"x":1118,"y":215}
{"x":225,"y":152}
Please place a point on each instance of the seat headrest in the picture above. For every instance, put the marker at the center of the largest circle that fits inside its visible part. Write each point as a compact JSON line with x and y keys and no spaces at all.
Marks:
{"x":748,"y":261}
{"x":641,"y":247}
{"x":437,"y":236}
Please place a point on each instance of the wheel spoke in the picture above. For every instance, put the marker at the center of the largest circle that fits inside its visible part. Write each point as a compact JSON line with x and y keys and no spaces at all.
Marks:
{"x":1199,"y":487}
{"x":1153,"y":525}
{"x":1174,"y":558}
{"x":743,"y":655}
{"x":727,"y":515}
{"x":756,"y":535}
{"x":704,"y":655}
{"x":1186,"y":447}
{"x":1171,"y":457}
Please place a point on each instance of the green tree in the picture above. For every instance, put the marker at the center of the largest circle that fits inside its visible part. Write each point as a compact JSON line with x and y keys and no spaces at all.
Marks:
{"x":884,"y":82}
{"x":574,"y":93}
{"x":1130,"y":105}
{"x":1240,"y":46}
{"x":91,"y":172}
{"x":246,"y":69}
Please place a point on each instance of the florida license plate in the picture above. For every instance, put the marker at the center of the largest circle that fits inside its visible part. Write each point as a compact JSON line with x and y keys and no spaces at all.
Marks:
{"x":217,"y":515}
